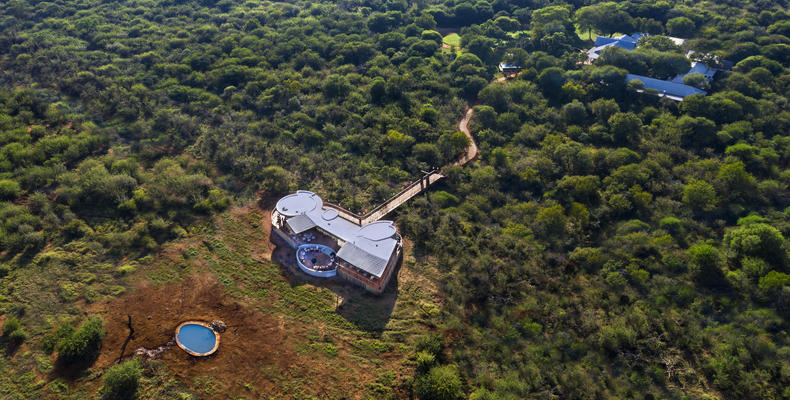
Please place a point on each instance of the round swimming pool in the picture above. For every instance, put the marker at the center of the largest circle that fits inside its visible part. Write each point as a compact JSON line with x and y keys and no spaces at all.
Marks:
{"x":197,"y":338}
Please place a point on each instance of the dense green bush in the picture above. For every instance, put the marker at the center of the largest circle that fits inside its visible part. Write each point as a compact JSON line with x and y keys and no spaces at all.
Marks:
{"x":83,"y":344}
{"x":121,"y":381}
{"x":9,"y":189}
{"x":440,"y":383}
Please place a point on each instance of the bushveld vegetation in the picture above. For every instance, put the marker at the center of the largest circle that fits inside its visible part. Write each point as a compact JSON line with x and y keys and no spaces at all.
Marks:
{"x":607,"y":243}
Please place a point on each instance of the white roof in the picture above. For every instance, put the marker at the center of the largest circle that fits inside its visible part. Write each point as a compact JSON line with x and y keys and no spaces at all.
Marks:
{"x":699,"y":68}
{"x":371,"y":244}
{"x":678,"y":41}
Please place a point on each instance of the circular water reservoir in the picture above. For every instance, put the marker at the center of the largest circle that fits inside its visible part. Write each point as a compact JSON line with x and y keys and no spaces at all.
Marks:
{"x":197,"y":338}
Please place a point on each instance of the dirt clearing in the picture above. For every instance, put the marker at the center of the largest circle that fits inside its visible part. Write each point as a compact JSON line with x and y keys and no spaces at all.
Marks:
{"x":253,"y":346}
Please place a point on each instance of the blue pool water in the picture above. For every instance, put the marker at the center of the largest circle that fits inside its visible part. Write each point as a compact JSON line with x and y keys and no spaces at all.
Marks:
{"x":197,"y":338}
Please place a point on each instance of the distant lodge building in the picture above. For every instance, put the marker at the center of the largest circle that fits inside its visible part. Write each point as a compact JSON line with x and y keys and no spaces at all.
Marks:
{"x":509,"y":68}
{"x":674,"y":89}
{"x":627,"y":42}
{"x":669,"y":89}
{"x":365,"y":255}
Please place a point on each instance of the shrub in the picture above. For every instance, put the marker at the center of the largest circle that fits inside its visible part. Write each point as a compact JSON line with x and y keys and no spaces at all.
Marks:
{"x":121,"y":381}
{"x":18,"y":336}
{"x":11,"y":324}
{"x":430,"y":343}
{"x":773,"y":281}
{"x":9,"y":189}
{"x":699,"y":195}
{"x":589,"y":258}
{"x":12,"y":330}
{"x":83,"y":344}
{"x":425,"y":361}
{"x":441,"y":383}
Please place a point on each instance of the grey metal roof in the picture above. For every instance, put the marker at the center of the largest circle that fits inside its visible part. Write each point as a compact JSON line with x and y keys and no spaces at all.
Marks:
{"x":675,"y":91}
{"x":300,"y":223}
{"x":362,"y":259}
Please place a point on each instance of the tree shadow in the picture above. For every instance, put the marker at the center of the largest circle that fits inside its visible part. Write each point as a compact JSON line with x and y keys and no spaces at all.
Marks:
{"x":9,"y":346}
{"x":72,"y":370}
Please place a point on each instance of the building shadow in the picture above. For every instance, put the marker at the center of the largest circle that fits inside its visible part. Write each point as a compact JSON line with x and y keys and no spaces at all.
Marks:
{"x":371,"y":312}
{"x":367,"y":311}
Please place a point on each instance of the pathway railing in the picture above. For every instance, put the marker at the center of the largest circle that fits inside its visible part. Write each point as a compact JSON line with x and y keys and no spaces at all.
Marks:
{"x":416,"y":187}
{"x":391,"y":203}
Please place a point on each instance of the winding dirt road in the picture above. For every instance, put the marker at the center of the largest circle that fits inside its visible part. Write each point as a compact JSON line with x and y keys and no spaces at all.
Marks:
{"x":471,"y":151}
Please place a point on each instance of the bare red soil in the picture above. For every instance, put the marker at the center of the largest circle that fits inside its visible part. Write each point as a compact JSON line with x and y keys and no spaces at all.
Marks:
{"x":253,"y":343}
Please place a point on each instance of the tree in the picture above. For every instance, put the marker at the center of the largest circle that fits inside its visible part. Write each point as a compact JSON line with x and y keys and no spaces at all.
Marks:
{"x":378,"y":90}
{"x":552,"y":221}
{"x":336,"y":86}
{"x":696,"y":132}
{"x":550,"y":81}
{"x":121,"y":381}
{"x":736,"y":179}
{"x":555,"y":17}
{"x":758,"y":240}
{"x":602,"y":109}
{"x":587,"y":18}
{"x":699,"y":195}
{"x":773,"y":282}
{"x":397,"y":142}
{"x":605,"y":18}
{"x":480,"y":46}
{"x":625,"y":127}
{"x":659,"y":43}
{"x":440,"y":383}
{"x":276,"y":180}
{"x":664,"y":65}
{"x":431,"y":35}
{"x":428,"y":153}
{"x":697,"y":80}
{"x":680,"y":26}
{"x":574,"y":113}
{"x":704,"y":263}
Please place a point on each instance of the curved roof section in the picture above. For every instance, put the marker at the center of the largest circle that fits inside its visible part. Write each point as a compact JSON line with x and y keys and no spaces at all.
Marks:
{"x":378,"y":230}
{"x":329,"y":214}
{"x":301,"y":202}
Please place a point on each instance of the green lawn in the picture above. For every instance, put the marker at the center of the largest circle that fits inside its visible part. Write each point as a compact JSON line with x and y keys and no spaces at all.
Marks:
{"x":453,"y":40}
{"x":585,"y":34}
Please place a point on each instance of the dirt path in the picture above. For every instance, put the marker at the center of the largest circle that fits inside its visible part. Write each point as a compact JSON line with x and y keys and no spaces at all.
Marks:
{"x":471,"y":151}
